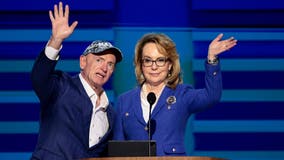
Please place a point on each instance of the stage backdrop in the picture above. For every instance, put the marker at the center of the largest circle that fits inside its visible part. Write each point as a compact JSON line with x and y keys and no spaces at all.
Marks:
{"x":247,"y":124}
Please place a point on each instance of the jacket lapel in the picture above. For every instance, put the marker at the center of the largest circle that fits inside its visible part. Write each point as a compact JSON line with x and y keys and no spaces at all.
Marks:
{"x":87,"y":107}
{"x":162,"y":101}
{"x":137,"y":107}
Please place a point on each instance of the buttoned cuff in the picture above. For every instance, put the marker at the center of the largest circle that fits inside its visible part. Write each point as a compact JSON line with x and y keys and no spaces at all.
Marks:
{"x":212,"y":70}
{"x":52,"y":53}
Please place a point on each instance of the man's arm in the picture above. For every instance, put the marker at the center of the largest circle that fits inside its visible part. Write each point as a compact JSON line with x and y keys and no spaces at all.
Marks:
{"x":43,"y":68}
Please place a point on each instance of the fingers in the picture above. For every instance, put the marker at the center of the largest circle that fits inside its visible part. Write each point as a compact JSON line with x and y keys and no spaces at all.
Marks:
{"x":218,"y":38}
{"x":60,"y":22}
{"x":227,"y":43}
{"x":55,"y":9}
{"x":73,"y":26}
{"x":230,"y":45}
{"x":51,"y":16}
{"x":59,"y":12}
{"x":230,"y":42}
{"x":60,"y":9}
{"x":66,"y":14}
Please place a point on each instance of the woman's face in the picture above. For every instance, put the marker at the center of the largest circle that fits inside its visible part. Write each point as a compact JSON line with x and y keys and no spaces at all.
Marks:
{"x":155,"y":65}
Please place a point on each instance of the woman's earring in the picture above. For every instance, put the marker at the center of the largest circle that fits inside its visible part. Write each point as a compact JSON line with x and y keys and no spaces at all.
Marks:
{"x":169,"y":73}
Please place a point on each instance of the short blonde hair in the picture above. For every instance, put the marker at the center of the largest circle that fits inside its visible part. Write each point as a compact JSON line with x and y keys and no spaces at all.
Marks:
{"x":167,"y":47}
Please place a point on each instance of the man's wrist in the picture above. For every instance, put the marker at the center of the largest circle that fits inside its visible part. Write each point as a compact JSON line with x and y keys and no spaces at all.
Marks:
{"x":55,"y":42}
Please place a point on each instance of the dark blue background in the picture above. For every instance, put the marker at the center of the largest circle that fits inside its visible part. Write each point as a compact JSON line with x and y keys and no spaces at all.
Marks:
{"x":248,"y":123}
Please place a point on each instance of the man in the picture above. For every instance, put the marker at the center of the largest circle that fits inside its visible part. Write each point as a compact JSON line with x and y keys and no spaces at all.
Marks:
{"x":76,"y":118}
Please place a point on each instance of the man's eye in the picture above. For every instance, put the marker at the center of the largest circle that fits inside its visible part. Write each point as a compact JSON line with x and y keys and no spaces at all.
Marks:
{"x":98,"y":60}
{"x":110,"y":64}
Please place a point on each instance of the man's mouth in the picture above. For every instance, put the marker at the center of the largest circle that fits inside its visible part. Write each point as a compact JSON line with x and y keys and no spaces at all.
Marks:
{"x":100,"y":75}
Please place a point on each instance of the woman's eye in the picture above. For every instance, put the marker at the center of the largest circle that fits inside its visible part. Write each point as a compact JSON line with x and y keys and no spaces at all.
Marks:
{"x":161,"y":60}
{"x":147,"y":60}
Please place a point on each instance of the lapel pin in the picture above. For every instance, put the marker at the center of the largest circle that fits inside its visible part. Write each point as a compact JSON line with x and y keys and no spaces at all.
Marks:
{"x":171,"y":100}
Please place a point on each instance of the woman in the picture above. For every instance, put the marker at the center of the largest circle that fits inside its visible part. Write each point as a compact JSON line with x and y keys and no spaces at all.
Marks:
{"x":157,"y":70}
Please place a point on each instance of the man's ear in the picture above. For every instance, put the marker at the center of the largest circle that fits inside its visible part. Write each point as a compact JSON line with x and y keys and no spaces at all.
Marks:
{"x":83,"y":61}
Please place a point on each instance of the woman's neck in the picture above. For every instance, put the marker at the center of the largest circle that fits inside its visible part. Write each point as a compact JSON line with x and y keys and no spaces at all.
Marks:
{"x":154,"y":88}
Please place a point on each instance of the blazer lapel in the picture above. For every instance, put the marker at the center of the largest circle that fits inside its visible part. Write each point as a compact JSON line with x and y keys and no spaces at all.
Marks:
{"x":86,"y":104}
{"x":137,"y":107}
{"x":162,"y":101}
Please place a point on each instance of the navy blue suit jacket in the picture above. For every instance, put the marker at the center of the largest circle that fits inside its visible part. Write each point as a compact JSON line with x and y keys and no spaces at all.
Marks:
{"x":65,"y":114}
{"x":169,"y":118}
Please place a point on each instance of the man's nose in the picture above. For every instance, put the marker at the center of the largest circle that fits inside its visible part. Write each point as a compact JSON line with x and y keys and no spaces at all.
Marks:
{"x":104,"y":66}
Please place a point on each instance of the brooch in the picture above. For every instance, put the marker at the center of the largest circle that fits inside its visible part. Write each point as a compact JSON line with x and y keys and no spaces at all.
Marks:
{"x":171,"y":100}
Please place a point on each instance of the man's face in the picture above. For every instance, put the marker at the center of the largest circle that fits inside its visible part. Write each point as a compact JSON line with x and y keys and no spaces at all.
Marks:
{"x":97,"y":69}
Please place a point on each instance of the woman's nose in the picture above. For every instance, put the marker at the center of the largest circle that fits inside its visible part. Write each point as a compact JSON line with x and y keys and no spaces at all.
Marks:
{"x":154,"y":65}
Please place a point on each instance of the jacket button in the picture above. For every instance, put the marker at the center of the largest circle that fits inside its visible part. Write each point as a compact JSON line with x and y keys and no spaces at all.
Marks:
{"x":126,"y":114}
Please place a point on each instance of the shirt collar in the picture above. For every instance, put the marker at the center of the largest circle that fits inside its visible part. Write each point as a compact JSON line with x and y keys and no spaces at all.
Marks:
{"x":104,"y":102}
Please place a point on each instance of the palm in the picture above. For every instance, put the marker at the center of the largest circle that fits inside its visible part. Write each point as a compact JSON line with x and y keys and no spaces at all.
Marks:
{"x":60,"y":28}
{"x":60,"y":23}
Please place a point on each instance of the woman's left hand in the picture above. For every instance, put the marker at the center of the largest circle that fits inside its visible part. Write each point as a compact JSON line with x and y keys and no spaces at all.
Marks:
{"x":218,"y":46}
